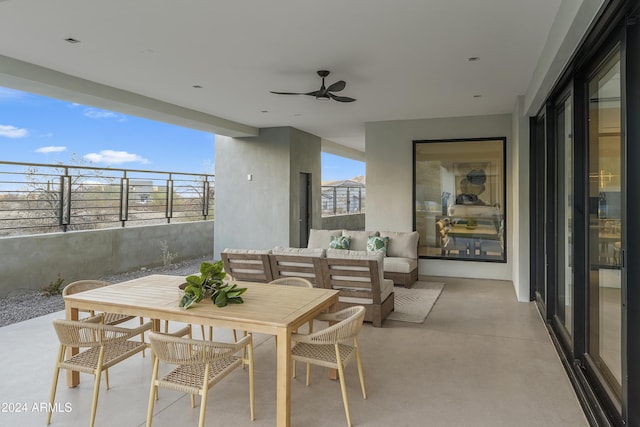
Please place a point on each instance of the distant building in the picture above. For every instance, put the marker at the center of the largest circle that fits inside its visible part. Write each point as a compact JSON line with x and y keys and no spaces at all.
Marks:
{"x":140,"y":190}
{"x":343,"y":197}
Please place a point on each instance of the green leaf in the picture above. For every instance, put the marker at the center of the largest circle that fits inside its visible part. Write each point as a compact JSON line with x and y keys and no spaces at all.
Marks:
{"x":187,"y":300}
{"x":205,"y":267}
{"x":221,"y":299}
{"x":236,"y":292}
{"x":210,"y":284}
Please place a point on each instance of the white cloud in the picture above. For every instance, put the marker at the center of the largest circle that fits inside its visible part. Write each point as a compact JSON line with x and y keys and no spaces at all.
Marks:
{"x":51,"y":149}
{"x":9,"y":131}
{"x":111,"y":157}
{"x":93,"y":113}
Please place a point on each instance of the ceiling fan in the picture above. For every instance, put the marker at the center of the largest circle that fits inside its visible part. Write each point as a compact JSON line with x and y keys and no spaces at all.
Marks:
{"x":324,"y":92}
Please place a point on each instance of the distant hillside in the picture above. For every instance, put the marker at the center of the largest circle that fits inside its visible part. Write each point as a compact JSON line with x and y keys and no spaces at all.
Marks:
{"x":357,"y":181}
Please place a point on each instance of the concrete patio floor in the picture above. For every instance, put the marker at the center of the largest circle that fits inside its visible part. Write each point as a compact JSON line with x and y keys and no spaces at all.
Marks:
{"x":480,"y":359}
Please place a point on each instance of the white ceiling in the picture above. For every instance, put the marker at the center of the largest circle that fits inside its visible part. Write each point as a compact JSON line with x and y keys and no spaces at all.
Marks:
{"x":401,"y":59}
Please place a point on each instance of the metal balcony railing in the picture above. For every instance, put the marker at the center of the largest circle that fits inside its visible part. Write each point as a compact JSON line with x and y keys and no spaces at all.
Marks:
{"x":343,"y":200}
{"x":44,"y":198}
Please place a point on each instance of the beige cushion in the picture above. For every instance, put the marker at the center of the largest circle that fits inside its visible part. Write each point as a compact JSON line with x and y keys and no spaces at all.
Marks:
{"x":312,"y":252}
{"x":400,"y":265}
{"x":247,"y":251}
{"x":358,"y":239}
{"x":321,"y":238}
{"x":403,"y":244}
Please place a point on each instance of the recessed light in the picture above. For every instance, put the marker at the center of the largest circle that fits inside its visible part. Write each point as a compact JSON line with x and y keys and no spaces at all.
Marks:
{"x":297,"y":114}
{"x":474,"y":58}
{"x":196,"y":87}
{"x":477,"y":96}
{"x":71,"y":40}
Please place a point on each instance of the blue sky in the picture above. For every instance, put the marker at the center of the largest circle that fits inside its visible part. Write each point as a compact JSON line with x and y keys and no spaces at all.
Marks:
{"x":37,"y":129}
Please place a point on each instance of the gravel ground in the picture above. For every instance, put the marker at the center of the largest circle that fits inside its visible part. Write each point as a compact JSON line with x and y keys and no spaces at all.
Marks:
{"x":28,"y":304}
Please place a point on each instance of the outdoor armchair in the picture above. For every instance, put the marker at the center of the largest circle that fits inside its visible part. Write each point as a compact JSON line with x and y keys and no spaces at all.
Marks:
{"x":105,"y":345}
{"x":200,"y":364}
{"x":108,"y":318}
{"x":334,"y":347}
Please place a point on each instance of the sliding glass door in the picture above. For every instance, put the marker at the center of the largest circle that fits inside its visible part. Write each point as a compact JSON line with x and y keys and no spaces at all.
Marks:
{"x":564,"y":202}
{"x":605,"y":227}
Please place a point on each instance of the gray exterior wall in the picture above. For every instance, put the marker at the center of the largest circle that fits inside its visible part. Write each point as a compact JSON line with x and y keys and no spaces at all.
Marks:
{"x":344,"y":222}
{"x":305,"y":157}
{"x":263,"y":212}
{"x":32,"y":262}
{"x":390,"y":200}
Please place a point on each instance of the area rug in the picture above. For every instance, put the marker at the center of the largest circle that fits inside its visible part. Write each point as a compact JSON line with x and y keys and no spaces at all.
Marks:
{"x":414,"y":304}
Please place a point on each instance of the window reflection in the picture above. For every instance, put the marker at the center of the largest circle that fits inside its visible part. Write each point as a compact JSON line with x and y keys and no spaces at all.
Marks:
{"x":605,"y":227}
{"x":459,"y":199}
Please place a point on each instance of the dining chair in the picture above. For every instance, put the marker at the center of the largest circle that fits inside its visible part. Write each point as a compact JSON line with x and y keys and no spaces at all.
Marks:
{"x":108,"y":318}
{"x":106,"y":345}
{"x":299,"y":282}
{"x":334,"y":347}
{"x":200,"y":364}
{"x":186,"y":331}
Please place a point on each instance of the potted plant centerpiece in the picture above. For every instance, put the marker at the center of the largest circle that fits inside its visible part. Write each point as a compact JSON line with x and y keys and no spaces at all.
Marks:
{"x":210,"y":284}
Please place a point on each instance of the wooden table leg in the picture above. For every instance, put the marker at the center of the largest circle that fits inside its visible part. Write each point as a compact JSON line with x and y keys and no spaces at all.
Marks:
{"x":73,"y":377}
{"x":283,"y":374}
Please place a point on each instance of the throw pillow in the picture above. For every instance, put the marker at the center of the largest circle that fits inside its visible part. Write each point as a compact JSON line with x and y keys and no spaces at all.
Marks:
{"x":340,"y":242}
{"x":377,"y":244}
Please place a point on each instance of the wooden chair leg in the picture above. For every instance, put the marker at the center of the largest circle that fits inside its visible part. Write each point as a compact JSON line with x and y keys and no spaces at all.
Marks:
{"x":343,"y":387}
{"x":204,"y":336}
{"x":360,"y":373}
{"x":153,"y":393}
{"x":94,"y":402}
{"x":203,"y":400}
{"x":54,"y":386}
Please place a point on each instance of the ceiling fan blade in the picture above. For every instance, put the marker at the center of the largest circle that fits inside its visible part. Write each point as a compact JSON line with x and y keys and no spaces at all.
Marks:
{"x":337,"y":86}
{"x":341,"y":98}
{"x":288,"y":93}
{"x":314,"y":93}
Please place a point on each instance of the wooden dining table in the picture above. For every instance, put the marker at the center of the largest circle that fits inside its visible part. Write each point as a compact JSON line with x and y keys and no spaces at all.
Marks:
{"x":269,"y":309}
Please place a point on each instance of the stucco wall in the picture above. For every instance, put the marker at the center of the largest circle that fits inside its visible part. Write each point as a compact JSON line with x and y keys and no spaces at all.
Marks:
{"x":346,"y":222}
{"x":261,"y":213}
{"x":305,"y":157}
{"x":389,"y":148}
{"x":31,"y":262}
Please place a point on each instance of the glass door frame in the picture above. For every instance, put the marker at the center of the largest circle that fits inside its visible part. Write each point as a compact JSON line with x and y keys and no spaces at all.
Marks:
{"x":566,"y":337}
{"x":612,"y":402}
{"x":619,"y":22}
